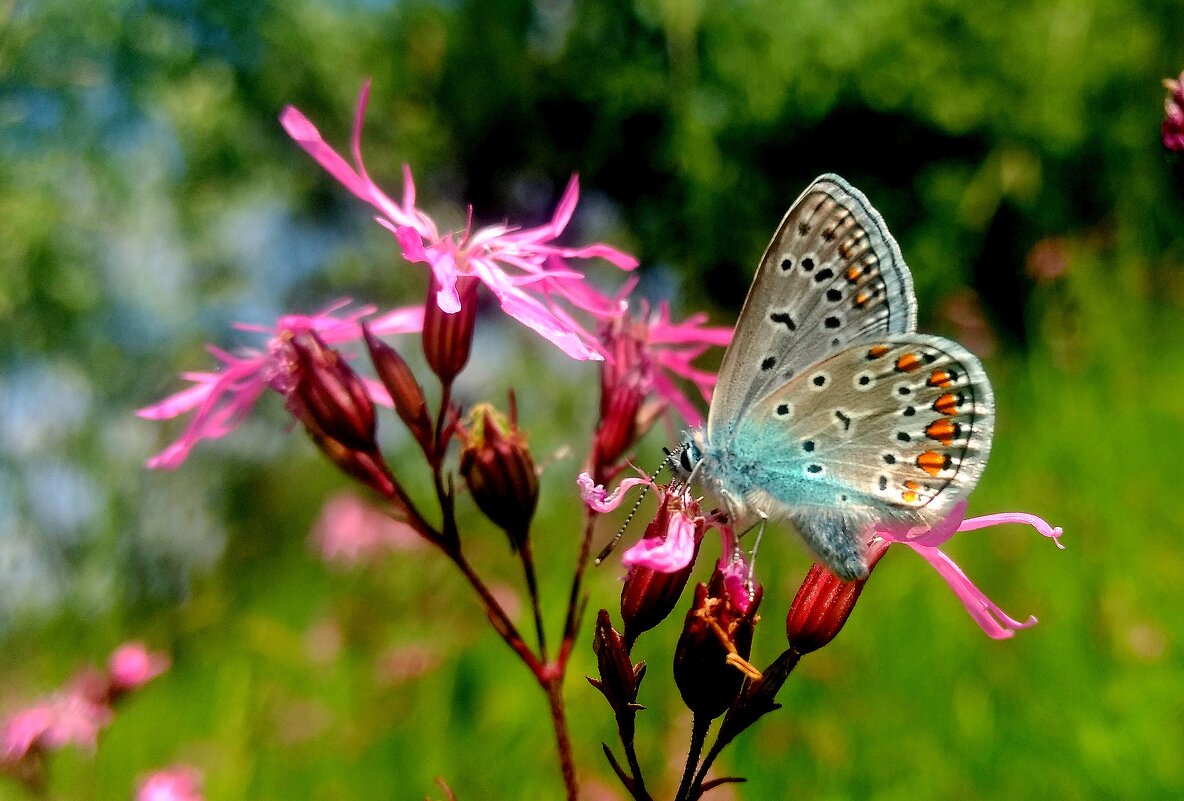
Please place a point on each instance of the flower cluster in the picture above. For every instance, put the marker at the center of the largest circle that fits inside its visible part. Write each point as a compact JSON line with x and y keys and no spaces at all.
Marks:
{"x":77,"y":713}
{"x":648,"y":371}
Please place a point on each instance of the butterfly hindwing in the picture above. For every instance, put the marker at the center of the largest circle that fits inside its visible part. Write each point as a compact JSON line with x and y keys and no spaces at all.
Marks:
{"x":894,"y":431}
{"x":832,"y":275}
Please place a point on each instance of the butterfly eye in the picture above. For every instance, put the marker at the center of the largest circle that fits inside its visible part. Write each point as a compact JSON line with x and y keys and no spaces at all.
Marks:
{"x":684,"y":459}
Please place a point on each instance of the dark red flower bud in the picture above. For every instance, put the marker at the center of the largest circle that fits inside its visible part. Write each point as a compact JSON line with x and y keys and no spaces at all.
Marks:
{"x":823,"y":604}
{"x":619,"y":678}
{"x":500,"y":472}
{"x":649,"y":596}
{"x":404,"y":389}
{"x":330,"y":393}
{"x":711,"y":659}
{"x":367,"y":466}
{"x":448,"y":338}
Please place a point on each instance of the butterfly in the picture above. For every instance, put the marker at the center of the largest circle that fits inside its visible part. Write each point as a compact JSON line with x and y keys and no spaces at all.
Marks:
{"x":830,"y":409}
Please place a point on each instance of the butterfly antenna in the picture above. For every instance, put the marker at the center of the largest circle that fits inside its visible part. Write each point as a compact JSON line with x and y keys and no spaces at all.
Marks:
{"x":608,"y":549}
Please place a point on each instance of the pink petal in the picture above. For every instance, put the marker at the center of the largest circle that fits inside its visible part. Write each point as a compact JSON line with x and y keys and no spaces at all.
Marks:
{"x":994,"y":621}
{"x":305,"y":134}
{"x":406,"y":320}
{"x":598,"y":498}
{"x":531,"y":313}
{"x":1052,"y":532}
{"x":665,"y":554}
{"x":938,"y":535}
{"x":674,"y":396}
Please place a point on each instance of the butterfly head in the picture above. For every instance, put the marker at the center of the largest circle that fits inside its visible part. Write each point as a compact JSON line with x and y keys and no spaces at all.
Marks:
{"x":687,"y":459}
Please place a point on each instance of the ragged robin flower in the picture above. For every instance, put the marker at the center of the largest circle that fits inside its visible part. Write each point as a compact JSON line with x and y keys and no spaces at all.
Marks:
{"x":221,"y":399}
{"x":524,"y":268}
{"x":646,"y":359}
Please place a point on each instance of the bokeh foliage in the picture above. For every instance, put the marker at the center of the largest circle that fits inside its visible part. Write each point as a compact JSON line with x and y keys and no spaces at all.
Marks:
{"x":148,"y":198}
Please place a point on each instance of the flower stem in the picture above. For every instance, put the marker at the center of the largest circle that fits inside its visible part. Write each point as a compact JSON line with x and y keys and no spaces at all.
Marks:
{"x":532,"y":587}
{"x":699,"y":727}
{"x":554,"y":689}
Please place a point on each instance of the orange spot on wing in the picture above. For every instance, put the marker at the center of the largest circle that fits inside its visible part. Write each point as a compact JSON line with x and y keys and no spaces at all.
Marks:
{"x":861,"y":298}
{"x":853,"y":274}
{"x":909,"y":496}
{"x":939,"y":378}
{"x":876,"y":351}
{"x":946,"y":404}
{"x":943,"y":430}
{"x":908,"y":363}
{"x":913,"y":485}
{"x":933,"y":462}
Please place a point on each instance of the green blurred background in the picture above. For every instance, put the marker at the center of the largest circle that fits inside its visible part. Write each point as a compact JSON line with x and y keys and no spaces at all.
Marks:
{"x":148,"y":198}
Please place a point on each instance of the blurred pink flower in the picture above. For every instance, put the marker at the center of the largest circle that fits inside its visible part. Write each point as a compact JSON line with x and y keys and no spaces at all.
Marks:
{"x":132,"y":665}
{"x":350,"y":531}
{"x":67,"y":718}
{"x":523,"y":268}
{"x":178,"y":783}
{"x":1173,"y":121}
{"x":222,"y":398}
{"x":993,"y":620}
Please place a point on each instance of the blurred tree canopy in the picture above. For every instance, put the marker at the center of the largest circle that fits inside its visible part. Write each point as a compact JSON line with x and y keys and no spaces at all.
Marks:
{"x":148,"y":197}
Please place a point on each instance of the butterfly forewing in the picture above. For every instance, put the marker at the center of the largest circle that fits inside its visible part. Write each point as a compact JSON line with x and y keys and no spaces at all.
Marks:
{"x":831,"y":276}
{"x":895,"y":429}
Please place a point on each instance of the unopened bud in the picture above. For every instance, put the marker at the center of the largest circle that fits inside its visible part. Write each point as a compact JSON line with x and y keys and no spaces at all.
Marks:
{"x":448,"y":338}
{"x":711,"y":659}
{"x":329,"y":393}
{"x":823,"y":604}
{"x":404,"y":389}
{"x":619,"y":678}
{"x":500,"y":472}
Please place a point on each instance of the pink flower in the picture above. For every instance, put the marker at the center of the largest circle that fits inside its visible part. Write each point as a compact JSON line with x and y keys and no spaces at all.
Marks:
{"x":674,"y":533}
{"x":670,"y":550}
{"x":523,"y":268}
{"x":652,"y":354}
{"x":351,"y":531}
{"x":1173,"y":121}
{"x":132,"y":665}
{"x":993,"y":620}
{"x":221,"y":399}
{"x":67,"y":718}
{"x":736,"y":570}
{"x":178,"y":783}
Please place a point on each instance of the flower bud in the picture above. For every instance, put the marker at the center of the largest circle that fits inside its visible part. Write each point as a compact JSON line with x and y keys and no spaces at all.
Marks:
{"x":823,"y":604}
{"x":711,"y":659}
{"x":619,"y":678}
{"x":649,"y":596}
{"x":330,"y":394}
{"x":498,"y":467}
{"x":404,"y":389}
{"x":448,"y":338}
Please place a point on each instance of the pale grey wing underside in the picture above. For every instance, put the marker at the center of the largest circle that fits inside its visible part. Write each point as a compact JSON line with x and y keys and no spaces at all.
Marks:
{"x":832,"y":275}
{"x":896,"y":429}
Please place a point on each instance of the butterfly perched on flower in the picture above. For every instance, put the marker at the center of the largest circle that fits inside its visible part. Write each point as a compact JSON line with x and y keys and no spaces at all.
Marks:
{"x":830,"y":409}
